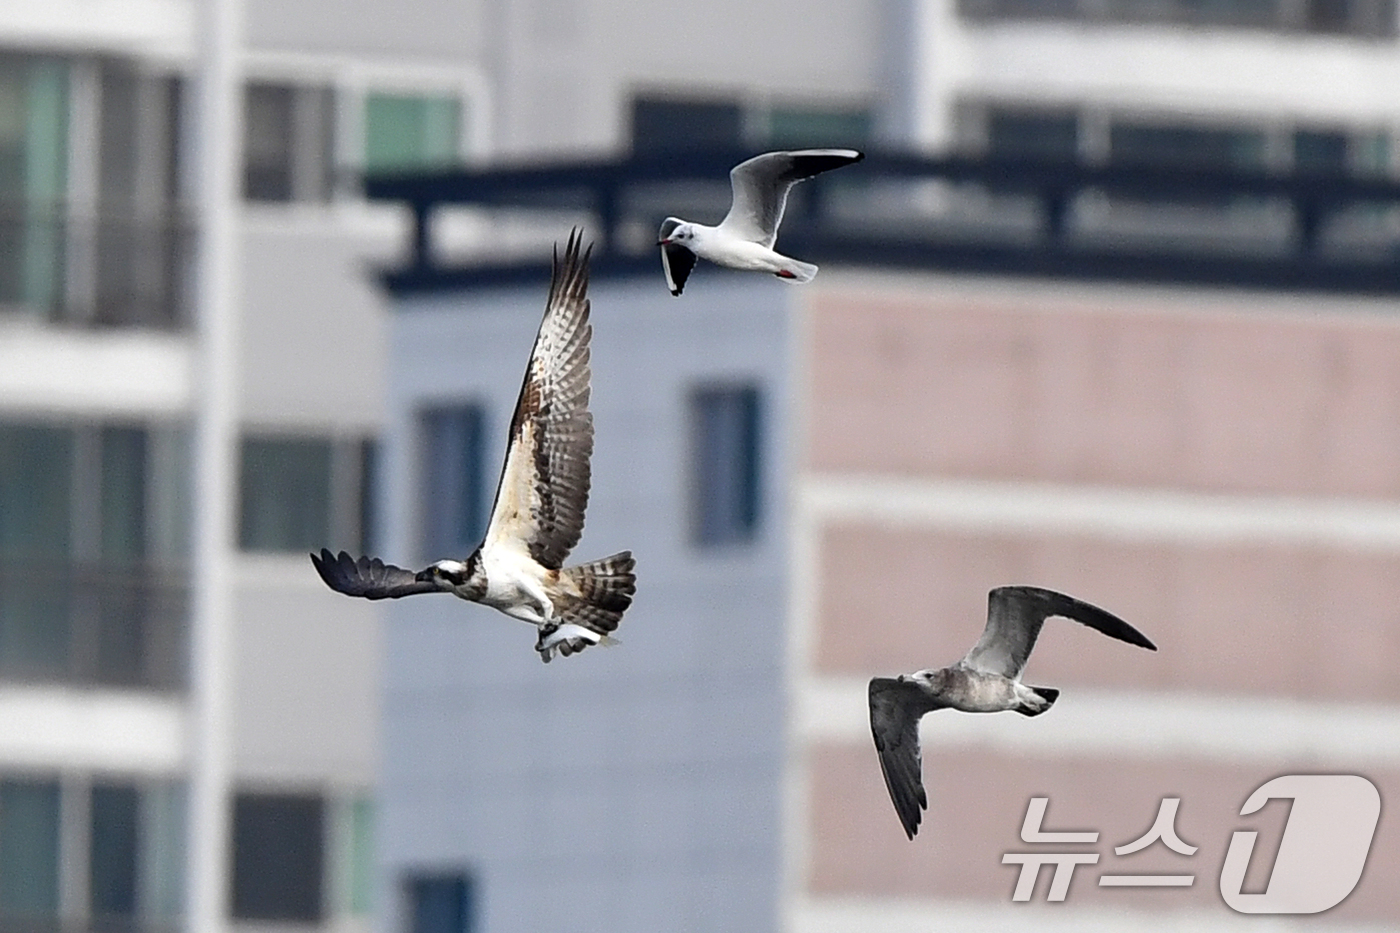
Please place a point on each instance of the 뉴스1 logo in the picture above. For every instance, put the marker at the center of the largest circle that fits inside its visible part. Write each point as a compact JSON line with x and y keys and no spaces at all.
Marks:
{"x":1325,"y":843}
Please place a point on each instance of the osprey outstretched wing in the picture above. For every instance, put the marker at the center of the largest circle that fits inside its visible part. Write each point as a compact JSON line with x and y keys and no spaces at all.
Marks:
{"x":545,"y":480}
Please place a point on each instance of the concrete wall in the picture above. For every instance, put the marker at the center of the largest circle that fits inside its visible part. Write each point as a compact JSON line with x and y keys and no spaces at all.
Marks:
{"x":628,"y":789}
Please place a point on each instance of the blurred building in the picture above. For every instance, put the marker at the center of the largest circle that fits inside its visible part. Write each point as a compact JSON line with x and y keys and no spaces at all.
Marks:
{"x":1152,"y":375}
{"x":713,"y":809}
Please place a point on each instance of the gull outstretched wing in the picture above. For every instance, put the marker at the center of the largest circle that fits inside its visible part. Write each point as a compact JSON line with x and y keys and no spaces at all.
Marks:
{"x":761,"y":187}
{"x":894,"y":721}
{"x":1015,"y":615}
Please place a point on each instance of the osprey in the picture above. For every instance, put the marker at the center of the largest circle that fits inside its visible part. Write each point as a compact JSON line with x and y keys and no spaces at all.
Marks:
{"x":537,"y":517}
{"x":988,"y":680}
{"x":745,"y":238}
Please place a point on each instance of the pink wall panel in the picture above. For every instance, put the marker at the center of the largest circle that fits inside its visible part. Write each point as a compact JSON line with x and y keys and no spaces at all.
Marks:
{"x":1227,"y":618}
{"x":1117,"y":391}
{"x":978,"y":800}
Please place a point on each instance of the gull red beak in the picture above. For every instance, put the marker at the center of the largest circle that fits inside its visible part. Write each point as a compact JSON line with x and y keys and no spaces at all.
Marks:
{"x":664,"y":241}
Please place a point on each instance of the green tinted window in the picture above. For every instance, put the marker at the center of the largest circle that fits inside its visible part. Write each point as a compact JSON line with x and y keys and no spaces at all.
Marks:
{"x":792,"y":127}
{"x":404,"y":131}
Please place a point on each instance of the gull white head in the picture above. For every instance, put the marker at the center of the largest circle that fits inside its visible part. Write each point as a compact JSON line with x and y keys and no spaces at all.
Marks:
{"x":682,"y":234}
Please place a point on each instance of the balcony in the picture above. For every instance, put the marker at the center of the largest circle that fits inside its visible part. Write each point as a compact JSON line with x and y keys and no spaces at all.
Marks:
{"x":92,"y":625}
{"x":104,"y":270}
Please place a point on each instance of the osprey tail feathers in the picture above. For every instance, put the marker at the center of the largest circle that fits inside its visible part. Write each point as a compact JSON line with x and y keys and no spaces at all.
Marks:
{"x":605,"y":586}
{"x":604,"y":589}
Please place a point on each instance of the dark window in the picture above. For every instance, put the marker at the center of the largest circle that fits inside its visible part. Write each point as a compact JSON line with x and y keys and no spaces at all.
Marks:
{"x":34,"y":116}
{"x":1188,"y":146}
{"x":439,"y":903}
{"x":369,"y":480}
{"x":1330,"y":15}
{"x":142,"y":245}
{"x":1320,"y":153}
{"x":794,"y":127}
{"x":454,"y":493}
{"x":288,"y":142}
{"x":91,"y":530}
{"x":1033,"y":134}
{"x":267,"y":142}
{"x":123,"y":521}
{"x":29,"y":849}
{"x":113,"y":864}
{"x":662,"y":124}
{"x":285,"y":491}
{"x":36,"y":515}
{"x":278,"y":842}
{"x":725,"y":467}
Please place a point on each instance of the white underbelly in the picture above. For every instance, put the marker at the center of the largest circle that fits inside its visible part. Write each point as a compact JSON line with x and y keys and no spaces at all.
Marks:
{"x":744,"y":254}
{"x":514,"y":584}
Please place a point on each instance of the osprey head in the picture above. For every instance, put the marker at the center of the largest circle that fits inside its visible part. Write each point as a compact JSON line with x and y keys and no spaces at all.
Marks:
{"x":445,"y":573}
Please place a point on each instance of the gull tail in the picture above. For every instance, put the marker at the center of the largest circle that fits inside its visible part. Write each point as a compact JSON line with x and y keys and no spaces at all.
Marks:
{"x":795,"y":271}
{"x":1047,"y":697}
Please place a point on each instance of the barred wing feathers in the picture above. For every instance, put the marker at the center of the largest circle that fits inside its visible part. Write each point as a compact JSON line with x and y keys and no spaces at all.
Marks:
{"x":544,"y":485}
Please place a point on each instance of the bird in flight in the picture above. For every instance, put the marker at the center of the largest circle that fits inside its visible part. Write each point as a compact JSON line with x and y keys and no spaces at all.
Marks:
{"x":537,"y":517}
{"x":745,"y":238}
{"x":987,"y":680}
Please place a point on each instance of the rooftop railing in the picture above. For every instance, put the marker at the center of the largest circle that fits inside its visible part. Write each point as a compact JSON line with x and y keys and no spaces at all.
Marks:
{"x":1005,"y":216}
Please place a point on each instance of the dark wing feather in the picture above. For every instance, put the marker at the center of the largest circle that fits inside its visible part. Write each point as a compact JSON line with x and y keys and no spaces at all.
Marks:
{"x":676,"y":260}
{"x":1015,"y":615}
{"x":761,"y":187}
{"x":545,"y":479}
{"x":895,"y":711}
{"x":368,"y":577}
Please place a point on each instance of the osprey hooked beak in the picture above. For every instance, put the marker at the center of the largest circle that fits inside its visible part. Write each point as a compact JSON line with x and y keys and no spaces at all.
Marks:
{"x":424,"y":576}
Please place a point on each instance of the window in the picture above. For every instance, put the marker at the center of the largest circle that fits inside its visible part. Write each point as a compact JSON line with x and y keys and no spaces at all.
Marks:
{"x":34,"y":115}
{"x":665,"y":124}
{"x":278,"y":843}
{"x":407,"y":132}
{"x":113,"y":852}
{"x":29,"y":849}
{"x":792,"y":127}
{"x":360,"y":857}
{"x":90,"y":533}
{"x":439,"y":903}
{"x":36,"y":506}
{"x":725,"y":467}
{"x":1033,"y":134}
{"x":135,"y":248}
{"x":285,"y":491}
{"x":1319,"y":153}
{"x":299,"y":493}
{"x":454,"y":483}
{"x":1191,"y":146}
{"x":288,"y":140}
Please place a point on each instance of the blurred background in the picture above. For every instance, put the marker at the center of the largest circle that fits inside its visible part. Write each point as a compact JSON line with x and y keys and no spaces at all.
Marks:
{"x":1108,"y":309}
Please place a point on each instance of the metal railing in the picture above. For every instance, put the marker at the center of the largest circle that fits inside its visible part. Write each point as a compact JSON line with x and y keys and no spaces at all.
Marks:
{"x":1364,"y":18}
{"x":993,"y":215}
